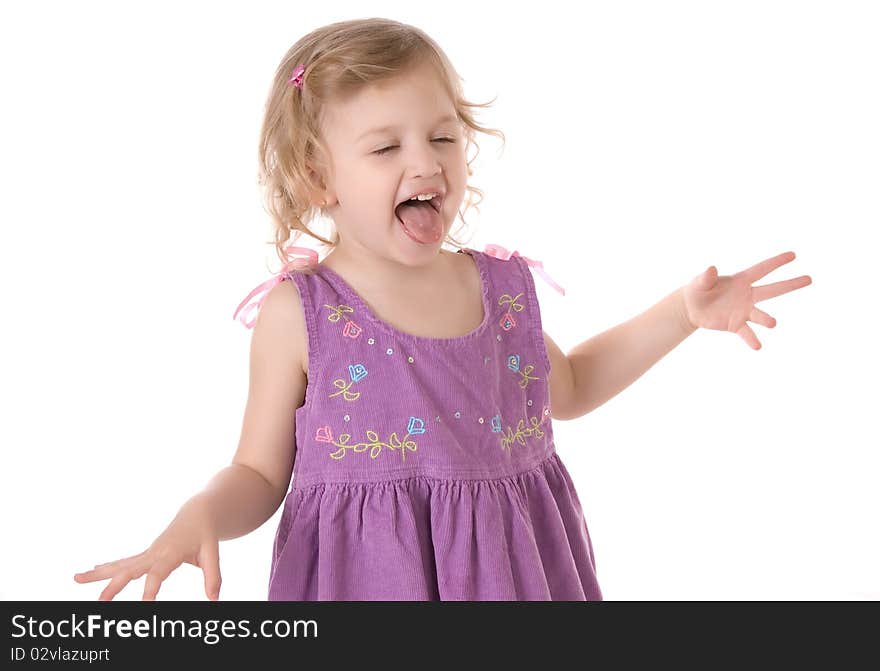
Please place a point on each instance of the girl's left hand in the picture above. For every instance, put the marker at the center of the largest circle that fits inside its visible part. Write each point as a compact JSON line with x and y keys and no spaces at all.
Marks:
{"x":726,"y":303}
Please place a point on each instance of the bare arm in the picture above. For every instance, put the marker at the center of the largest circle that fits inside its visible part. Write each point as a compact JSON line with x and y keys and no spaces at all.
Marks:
{"x":236,"y":501}
{"x":245,"y":494}
{"x":600,"y":368}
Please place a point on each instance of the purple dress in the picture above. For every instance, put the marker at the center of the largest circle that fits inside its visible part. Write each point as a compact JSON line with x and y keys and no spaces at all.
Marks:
{"x":425,"y":467}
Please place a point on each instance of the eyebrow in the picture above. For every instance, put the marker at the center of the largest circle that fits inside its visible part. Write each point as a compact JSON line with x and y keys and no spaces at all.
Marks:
{"x":448,"y":117}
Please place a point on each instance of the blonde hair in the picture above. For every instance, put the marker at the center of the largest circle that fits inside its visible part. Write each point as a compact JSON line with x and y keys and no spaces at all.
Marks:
{"x":340,"y":60}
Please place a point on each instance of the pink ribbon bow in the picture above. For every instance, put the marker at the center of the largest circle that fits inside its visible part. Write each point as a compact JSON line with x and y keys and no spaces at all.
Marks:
{"x":310,"y":259}
{"x":500,"y":252}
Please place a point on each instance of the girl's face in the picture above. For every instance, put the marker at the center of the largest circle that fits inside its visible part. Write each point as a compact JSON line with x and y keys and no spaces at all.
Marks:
{"x":412,"y":119}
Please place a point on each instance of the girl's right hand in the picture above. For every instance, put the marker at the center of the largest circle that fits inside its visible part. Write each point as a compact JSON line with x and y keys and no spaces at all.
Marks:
{"x":188,"y":538}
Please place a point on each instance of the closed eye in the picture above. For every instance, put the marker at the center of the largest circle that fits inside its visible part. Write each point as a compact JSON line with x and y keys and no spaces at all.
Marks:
{"x":383,"y":151}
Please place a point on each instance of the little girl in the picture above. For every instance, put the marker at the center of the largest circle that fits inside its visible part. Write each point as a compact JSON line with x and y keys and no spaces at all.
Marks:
{"x":407,"y":389}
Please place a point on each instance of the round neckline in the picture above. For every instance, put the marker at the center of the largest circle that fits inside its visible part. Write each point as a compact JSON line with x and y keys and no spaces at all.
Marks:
{"x":385,"y":326}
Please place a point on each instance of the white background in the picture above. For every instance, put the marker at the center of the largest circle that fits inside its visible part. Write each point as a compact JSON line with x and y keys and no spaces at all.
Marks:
{"x":646,"y":141}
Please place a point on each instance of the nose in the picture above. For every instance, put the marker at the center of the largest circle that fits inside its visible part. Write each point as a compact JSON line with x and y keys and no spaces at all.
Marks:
{"x":423,"y":160}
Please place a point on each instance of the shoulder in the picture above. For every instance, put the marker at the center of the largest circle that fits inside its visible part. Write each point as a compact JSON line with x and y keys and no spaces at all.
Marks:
{"x":281,"y":322}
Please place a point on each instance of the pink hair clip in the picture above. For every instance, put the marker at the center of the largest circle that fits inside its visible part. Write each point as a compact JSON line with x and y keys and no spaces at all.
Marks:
{"x":296,"y":78}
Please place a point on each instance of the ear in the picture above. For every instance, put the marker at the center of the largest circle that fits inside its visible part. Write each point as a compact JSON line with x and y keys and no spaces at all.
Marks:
{"x":321,"y":196}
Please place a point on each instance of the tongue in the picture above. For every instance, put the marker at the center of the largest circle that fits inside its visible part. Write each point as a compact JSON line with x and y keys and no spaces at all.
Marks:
{"x":421,"y":221}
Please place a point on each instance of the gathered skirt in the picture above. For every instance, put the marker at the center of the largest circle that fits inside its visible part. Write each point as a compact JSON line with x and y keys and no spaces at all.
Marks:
{"x":517,"y":538}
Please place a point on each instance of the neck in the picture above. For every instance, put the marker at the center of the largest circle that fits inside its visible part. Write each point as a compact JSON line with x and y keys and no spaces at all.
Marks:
{"x":383,"y":272}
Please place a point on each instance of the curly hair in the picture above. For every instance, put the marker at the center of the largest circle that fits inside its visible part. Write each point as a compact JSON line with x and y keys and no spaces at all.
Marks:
{"x":341,"y":59}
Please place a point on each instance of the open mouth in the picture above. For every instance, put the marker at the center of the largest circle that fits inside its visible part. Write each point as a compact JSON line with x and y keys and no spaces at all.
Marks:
{"x":436,"y":202}
{"x":421,"y":219}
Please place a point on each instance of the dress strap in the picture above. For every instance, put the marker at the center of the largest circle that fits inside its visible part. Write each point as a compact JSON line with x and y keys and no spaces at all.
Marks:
{"x":308,"y":258}
{"x":501,"y":253}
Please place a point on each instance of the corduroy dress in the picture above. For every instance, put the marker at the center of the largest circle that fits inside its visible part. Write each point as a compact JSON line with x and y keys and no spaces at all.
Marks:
{"x":425,"y":467}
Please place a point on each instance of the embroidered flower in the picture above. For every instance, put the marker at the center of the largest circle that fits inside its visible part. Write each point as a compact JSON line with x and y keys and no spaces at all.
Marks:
{"x":525,"y":377}
{"x":337,"y":312}
{"x":415,"y":426}
{"x":506,"y":299}
{"x":507,"y":321}
{"x":357,"y":371}
{"x":351,"y":329}
{"x":522,"y":432}
{"x":375,"y":446}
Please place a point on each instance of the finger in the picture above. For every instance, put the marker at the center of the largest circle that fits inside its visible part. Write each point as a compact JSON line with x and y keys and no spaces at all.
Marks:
{"x":105,"y":570}
{"x":108,"y":570}
{"x":115,"y":586}
{"x":758,"y":316}
{"x":209,"y":560}
{"x":120,"y":561}
{"x":767,"y":266}
{"x":765,"y":291}
{"x":707,"y":279}
{"x":102,"y":573}
{"x":155,"y":576}
{"x":749,"y":336}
